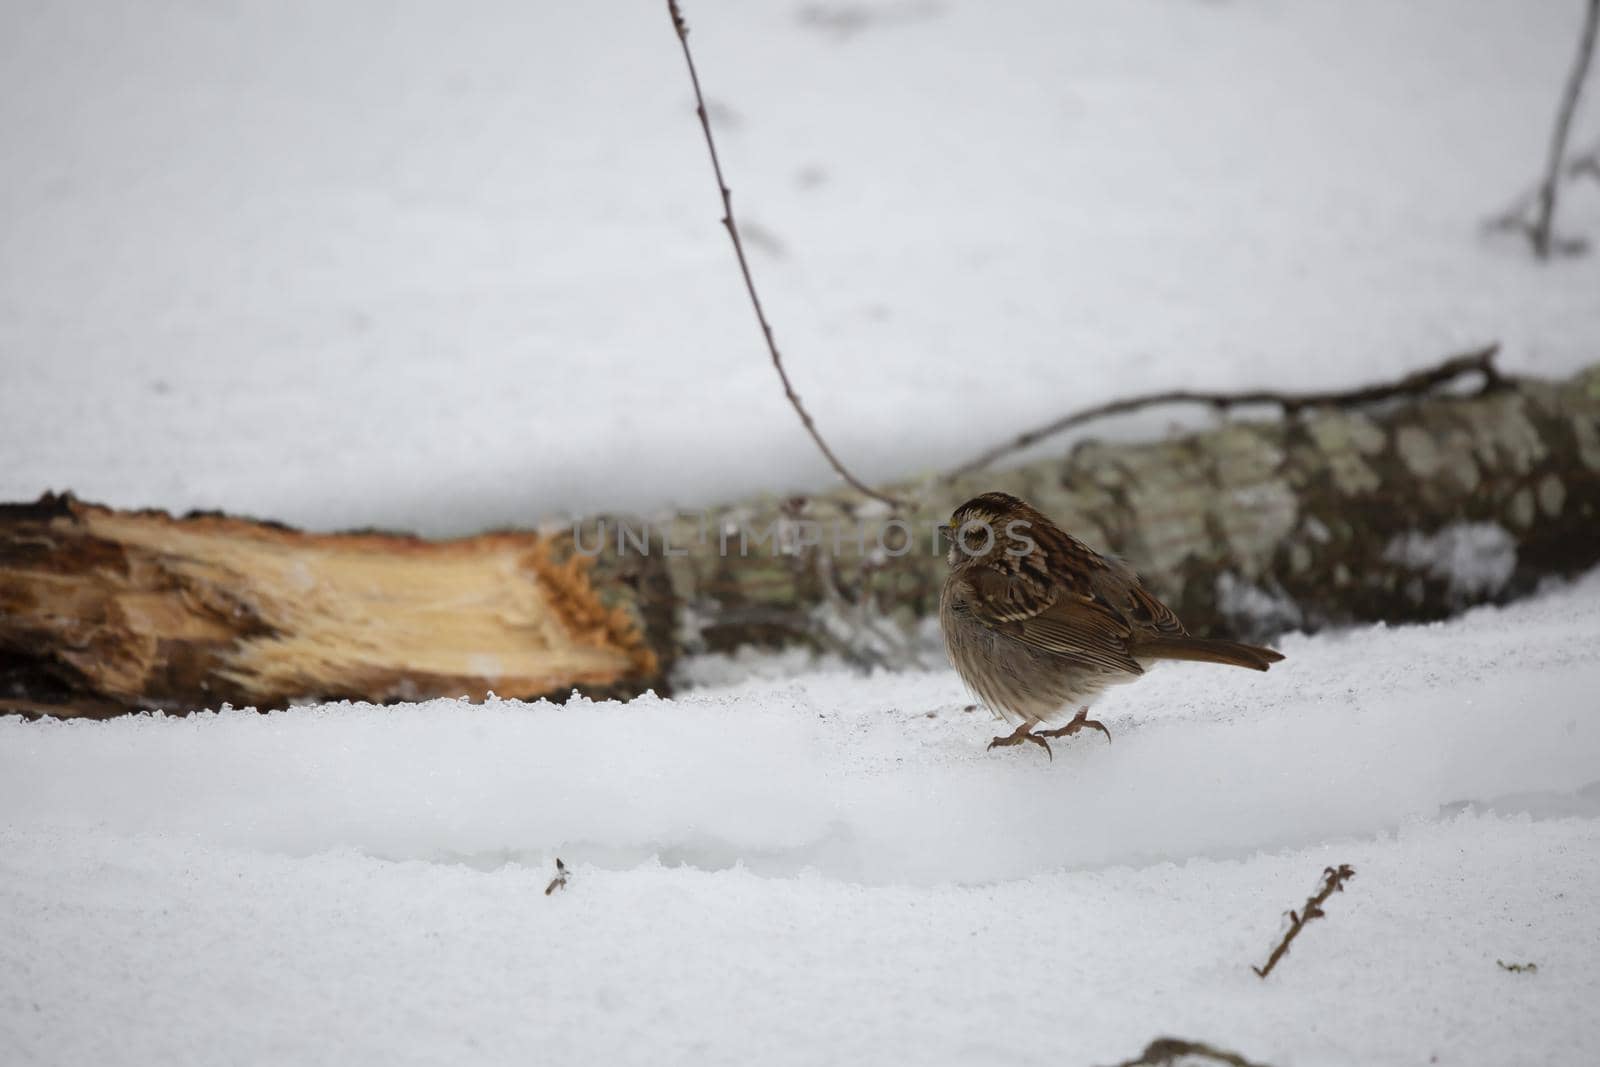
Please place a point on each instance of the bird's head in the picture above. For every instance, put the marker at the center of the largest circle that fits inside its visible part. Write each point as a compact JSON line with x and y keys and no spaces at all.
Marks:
{"x":987,"y":525}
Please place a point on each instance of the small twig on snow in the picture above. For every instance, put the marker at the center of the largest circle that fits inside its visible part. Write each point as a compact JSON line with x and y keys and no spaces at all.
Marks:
{"x":1478,"y":361}
{"x":560,"y":880}
{"x":1540,"y":231}
{"x":1333,"y":880}
{"x":1164,"y":1050}
{"x":1540,"y":201}
{"x":1518,"y":968}
{"x":1582,"y":163}
{"x":728,"y":223}
{"x":1585,"y":163}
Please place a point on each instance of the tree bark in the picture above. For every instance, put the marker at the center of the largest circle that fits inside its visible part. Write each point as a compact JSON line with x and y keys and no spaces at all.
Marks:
{"x":1405,"y":512}
{"x":1409,"y":511}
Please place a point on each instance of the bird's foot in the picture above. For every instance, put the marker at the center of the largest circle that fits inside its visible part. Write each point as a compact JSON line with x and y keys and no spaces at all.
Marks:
{"x":1021,"y":734}
{"x":1080,"y":721}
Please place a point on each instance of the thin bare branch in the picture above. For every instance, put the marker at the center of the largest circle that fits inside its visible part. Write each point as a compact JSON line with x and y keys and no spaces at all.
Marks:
{"x":1540,"y":233}
{"x":1478,"y":361}
{"x":1584,"y":162}
{"x":1333,"y":880}
{"x":732,"y":226}
{"x":1164,"y":1050}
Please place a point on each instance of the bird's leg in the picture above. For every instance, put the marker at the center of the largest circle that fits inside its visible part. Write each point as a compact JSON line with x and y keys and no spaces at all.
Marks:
{"x":1079,"y":722}
{"x":1021,"y":734}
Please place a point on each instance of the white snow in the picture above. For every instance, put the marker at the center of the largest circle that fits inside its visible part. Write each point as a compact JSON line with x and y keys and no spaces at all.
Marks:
{"x":1471,"y":558}
{"x":1249,"y":606}
{"x":441,"y":267}
{"x":831,"y":868}
{"x":437,"y":269}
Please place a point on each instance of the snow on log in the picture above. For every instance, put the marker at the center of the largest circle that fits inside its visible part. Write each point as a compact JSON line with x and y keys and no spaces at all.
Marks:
{"x":1407,"y":510}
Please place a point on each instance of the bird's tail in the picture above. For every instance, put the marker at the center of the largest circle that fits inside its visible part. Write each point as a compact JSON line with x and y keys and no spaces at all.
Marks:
{"x":1206,"y":650}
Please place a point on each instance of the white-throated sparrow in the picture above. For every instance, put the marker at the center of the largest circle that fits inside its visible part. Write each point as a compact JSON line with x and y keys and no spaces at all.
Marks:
{"x":1037,"y":623}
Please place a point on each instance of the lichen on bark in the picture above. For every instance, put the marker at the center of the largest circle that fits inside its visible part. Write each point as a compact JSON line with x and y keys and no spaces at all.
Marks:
{"x":1246,"y":528}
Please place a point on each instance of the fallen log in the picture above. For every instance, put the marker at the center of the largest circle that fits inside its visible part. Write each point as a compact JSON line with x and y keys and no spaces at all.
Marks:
{"x":1410,"y":510}
{"x":105,"y":611}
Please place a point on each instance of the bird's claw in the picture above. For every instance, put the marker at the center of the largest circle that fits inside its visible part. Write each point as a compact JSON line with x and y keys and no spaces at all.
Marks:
{"x":1018,"y":736}
{"x":1079,"y":721}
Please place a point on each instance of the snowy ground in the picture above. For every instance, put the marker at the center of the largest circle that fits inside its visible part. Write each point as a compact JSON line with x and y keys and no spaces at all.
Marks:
{"x":437,"y":268}
{"x":831,"y":869}
{"x":441,"y":267}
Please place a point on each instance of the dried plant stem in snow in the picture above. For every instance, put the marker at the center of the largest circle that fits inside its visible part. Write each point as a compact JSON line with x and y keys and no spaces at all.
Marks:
{"x":1540,"y":232}
{"x":732,"y":227}
{"x":1333,"y":880}
{"x":560,"y":880}
{"x":1540,"y":201}
{"x":1164,"y":1050}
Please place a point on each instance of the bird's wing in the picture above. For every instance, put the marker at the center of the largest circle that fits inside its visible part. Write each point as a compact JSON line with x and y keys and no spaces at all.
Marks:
{"x":1076,"y":624}
{"x":1120,"y":587}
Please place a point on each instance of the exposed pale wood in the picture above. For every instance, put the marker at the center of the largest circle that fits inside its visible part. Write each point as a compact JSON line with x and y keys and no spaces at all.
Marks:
{"x":127,"y":610}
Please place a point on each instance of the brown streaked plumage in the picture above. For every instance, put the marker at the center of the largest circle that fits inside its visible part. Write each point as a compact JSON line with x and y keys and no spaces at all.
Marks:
{"x":1037,"y":623}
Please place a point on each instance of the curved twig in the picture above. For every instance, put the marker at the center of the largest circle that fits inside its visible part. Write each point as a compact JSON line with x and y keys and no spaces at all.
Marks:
{"x":732,"y":227}
{"x":1583,"y":162}
{"x":1540,"y":232}
{"x":1478,"y":361}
